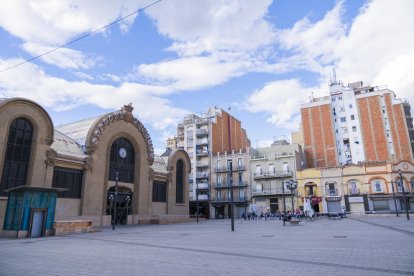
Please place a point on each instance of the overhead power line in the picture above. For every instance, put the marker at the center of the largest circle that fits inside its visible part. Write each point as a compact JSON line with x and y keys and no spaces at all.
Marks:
{"x":79,"y":38}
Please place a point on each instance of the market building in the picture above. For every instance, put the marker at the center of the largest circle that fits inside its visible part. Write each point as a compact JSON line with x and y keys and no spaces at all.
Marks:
{"x":80,"y":171}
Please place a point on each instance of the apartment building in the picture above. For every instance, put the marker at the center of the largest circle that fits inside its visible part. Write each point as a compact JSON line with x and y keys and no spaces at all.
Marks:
{"x":215,"y":133}
{"x":356,"y":123}
{"x":271,"y":167}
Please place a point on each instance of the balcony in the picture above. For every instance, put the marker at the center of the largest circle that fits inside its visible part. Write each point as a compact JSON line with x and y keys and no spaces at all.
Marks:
{"x":284,"y":155}
{"x":226,"y":185}
{"x":201,"y":132}
{"x":228,"y":200}
{"x":202,"y":186}
{"x":262,"y":157}
{"x":202,"y":175}
{"x":202,"y":197}
{"x":202,"y":141}
{"x":223,"y":169}
{"x":274,"y":191}
{"x":274,"y":174}
{"x":331,"y":192}
{"x":202,"y":164}
{"x":202,"y":153}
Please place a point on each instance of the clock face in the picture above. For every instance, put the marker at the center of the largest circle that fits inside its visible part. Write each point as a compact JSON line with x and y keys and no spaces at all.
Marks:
{"x":122,"y":152}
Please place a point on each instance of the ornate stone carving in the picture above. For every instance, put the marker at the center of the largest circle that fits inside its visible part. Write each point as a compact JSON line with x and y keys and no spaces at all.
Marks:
{"x":51,"y":155}
{"x":49,"y":140}
{"x":126,"y":115}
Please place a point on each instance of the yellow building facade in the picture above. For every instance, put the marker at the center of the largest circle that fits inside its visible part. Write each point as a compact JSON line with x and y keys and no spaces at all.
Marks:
{"x":368,"y":187}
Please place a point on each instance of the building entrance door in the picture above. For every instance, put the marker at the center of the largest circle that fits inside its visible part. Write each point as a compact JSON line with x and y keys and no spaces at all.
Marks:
{"x":121,"y":205}
{"x":274,"y":205}
{"x":37,"y":223}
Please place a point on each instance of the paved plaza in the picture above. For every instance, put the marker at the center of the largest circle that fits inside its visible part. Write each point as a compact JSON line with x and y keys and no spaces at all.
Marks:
{"x":350,"y":246}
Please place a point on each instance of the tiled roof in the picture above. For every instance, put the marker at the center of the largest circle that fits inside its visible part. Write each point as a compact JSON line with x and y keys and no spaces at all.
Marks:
{"x":65,"y":145}
{"x":77,"y":130}
{"x":159,"y":164}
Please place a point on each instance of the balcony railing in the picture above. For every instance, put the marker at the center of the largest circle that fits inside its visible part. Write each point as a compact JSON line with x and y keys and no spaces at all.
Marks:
{"x":202,"y":153}
{"x":202,"y":197}
{"x":201,"y":186}
{"x":262,"y":157}
{"x":202,"y":175}
{"x":283,"y":155}
{"x":274,"y":174}
{"x":235,"y":199}
{"x":221,"y":169}
{"x":226,"y":185}
{"x":331,"y":192}
{"x":201,"y":132}
{"x":202,"y":164}
{"x":202,"y":141}
{"x":277,"y":191}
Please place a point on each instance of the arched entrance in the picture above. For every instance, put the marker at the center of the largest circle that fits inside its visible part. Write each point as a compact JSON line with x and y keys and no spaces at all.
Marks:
{"x":120,"y":203}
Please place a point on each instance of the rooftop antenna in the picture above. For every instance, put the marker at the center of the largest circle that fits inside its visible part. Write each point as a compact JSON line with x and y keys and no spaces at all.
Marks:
{"x":333,"y":77}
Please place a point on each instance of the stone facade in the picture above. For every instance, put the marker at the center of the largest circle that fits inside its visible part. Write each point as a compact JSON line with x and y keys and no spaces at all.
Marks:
{"x":85,"y":147}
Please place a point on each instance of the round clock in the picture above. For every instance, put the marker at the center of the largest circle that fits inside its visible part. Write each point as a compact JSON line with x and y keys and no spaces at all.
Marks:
{"x":122,"y":152}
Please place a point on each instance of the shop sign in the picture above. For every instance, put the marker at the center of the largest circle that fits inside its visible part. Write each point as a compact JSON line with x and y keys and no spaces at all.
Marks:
{"x":333,"y":198}
{"x":355,"y":199}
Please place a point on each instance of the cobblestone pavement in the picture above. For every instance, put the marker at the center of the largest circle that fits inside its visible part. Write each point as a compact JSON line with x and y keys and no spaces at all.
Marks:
{"x":351,"y":246}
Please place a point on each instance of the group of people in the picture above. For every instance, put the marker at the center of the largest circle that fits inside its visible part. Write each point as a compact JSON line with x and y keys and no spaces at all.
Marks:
{"x":297,"y":214}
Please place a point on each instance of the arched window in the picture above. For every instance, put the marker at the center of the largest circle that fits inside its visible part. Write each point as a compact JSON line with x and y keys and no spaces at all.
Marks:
{"x":16,"y":161}
{"x":179,"y":182}
{"x":122,"y":160}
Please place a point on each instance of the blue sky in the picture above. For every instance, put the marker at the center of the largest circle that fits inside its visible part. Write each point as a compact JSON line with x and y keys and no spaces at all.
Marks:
{"x":261,"y":58}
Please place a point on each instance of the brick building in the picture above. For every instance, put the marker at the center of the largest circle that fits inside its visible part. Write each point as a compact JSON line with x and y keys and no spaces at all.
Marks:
{"x":215,"y":133}
{"x":356,"y":123}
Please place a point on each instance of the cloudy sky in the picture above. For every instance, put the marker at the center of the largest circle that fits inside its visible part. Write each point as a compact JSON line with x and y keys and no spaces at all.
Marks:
{"x":261,"y":58}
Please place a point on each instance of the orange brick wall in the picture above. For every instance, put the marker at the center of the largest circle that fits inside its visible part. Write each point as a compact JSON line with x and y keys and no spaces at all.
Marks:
{"x":402,"y":133}
{"x":319,"y":138}
{"x":393,"y":127}
{"x":220,"y":134}
{"x":373,"y":130}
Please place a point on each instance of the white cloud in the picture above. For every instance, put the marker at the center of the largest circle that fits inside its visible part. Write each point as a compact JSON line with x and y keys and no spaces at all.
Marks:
{"x":212,"y":25}
{"x":64,"y":57}
{"x":58,"y":94}
{"x":45,"y":24}
{"x":281,"y":100}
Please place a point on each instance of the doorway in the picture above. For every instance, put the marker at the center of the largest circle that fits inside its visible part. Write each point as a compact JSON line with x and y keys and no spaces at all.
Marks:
{"x":122,"y":204}
{"x":37,"y":223}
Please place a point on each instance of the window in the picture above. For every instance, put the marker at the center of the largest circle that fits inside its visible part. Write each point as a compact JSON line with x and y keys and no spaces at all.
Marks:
{"x":122,"y":160}
{"x":219,"y":195}
{"x":242,"y":194}
{"x":377,"y":186}
{"x":159,"y":191}
{"x":179,"y":182}
{"x":350,"y":105}
{"x":68,"y":179}
{"x":354,"y":129}
{"x":229,"y":164}
{"x":285,"y":167}
{"x":343,"y":119}
{"x":218,"y":164}
{"x":399,"y":185}
{"x":219,"y":179}
{"x":344,"y":130}
{"x":412,"y":185}
{"x":240,"y":163}
{"x":353,"y":117}
{"x":336,"y":131}
{"x":342,"y":109}
{"x":271,"y":169}
{"x":240,"y":178}
{"x":258,"y":170}
{"x":16,"y":161}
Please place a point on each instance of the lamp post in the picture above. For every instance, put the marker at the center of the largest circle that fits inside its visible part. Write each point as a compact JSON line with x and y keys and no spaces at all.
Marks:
{"x":128,"y":200}
{"x":116,"y":199}
{"x":111,"y":202}
{"x":231,"y":175}
{"x":403,"y":192}
{"x":292,"y":185}
{"x":393,"y":196}
{"x":197,"y":201}
{"x":284,"y":202}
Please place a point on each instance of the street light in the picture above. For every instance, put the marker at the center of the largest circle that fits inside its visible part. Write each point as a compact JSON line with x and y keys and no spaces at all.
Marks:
{"x":197,"y":201}
{"x":393,"y":196}
{"x":284,"y":202}
{"x":403,"y":192}
{"x":111,"y":202}
{"x":128,"y":200}
{"x":292,"y":185}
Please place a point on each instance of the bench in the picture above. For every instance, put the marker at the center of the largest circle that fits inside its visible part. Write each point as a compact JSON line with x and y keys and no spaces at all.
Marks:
{"x":72,"y":227}
{"x":294,"y":221}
